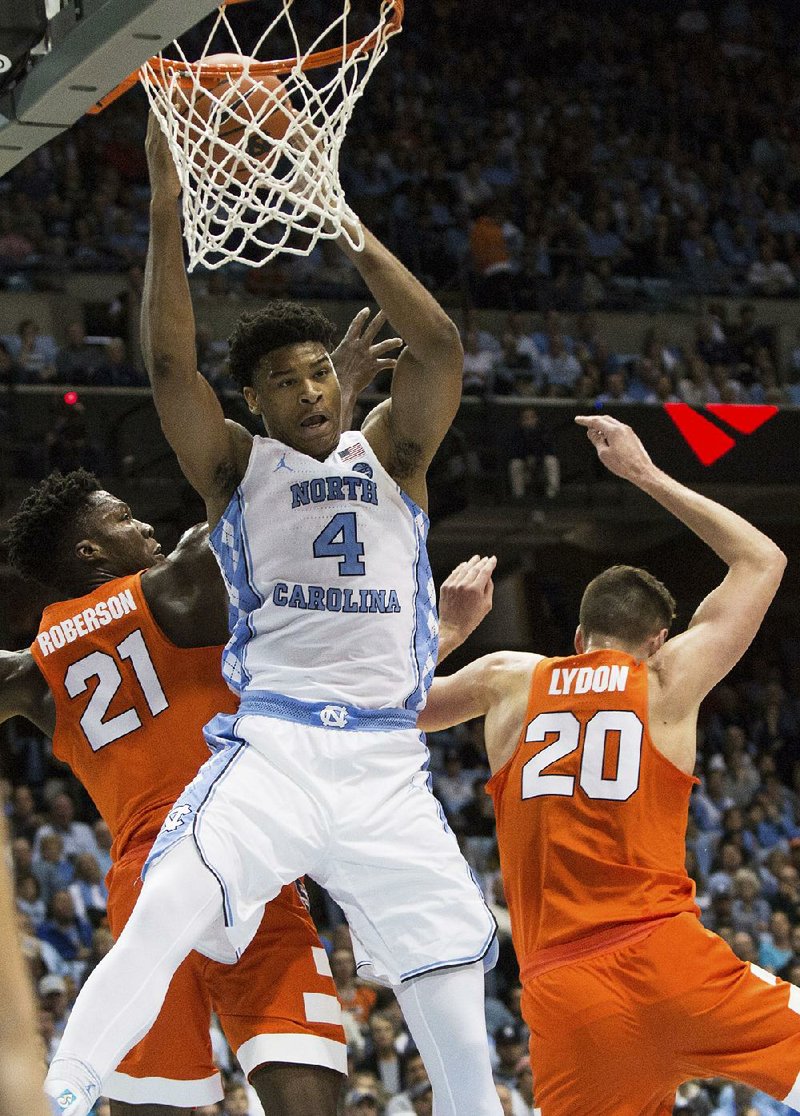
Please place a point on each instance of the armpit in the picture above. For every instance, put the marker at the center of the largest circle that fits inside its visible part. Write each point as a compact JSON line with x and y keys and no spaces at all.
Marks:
{"x":226,"y":477}
{"x":406,"y":459}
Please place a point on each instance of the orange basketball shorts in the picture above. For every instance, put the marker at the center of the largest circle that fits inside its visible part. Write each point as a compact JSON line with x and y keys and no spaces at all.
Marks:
{"x":276,"y":1004}
{"x":615,"y":1034}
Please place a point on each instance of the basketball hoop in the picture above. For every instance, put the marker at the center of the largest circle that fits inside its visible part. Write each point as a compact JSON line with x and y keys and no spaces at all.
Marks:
{"x":256,"y":142}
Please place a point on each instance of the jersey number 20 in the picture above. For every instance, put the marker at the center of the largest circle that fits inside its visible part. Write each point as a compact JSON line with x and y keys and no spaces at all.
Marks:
{"x":567,"y":729}
{"x":101,"y":666}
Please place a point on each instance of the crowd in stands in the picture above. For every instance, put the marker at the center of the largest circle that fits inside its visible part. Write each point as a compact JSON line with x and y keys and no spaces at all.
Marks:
{"x":730,"y":359}
{"x":579,"y":156}
{"x":743,"y":851}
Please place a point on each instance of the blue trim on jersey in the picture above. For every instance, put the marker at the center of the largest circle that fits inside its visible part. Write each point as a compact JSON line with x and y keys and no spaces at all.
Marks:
{"x":195,"y":796}
{"x":490,"y":949}
{"x":425,"y":634}
{"x":488,"y":953}
{"x":316,"y":714}
{"x":232,"y":757}
{"x":231,"y":546}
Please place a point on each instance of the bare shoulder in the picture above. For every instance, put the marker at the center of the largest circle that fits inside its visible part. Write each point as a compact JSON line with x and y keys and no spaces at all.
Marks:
{"x":15,"y":665}
{"x":672,"y":710}
{"x":507,"y":669}
{"x":508,"y":685}
{"x":23,"y":690}
{"x":667,"y":677}
{"x":186,"y":593}
{"x":192,"y":558}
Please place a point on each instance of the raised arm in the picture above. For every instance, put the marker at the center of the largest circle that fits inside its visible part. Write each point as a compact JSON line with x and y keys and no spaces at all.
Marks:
{"x":212,"y":450}
{"x":426,"y":386}
{"x":724,"y":625}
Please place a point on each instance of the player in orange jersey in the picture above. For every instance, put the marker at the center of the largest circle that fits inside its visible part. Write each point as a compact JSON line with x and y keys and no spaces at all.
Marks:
{"x":123,"y":675}
{"x":625,"y":993}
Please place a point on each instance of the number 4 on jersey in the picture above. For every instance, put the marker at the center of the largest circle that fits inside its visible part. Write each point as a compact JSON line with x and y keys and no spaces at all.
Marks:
{"x":338,"y":539}
{"x":593,"y":782}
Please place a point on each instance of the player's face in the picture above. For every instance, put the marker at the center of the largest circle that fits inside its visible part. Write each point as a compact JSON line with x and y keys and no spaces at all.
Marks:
{"x":124,"y":545}
{"x":297,"y":394}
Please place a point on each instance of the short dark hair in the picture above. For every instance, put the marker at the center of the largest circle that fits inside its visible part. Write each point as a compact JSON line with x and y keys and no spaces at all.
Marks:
{"x":279,"y":323}
{"x":47,"y":524}
{"x":627,"y":603}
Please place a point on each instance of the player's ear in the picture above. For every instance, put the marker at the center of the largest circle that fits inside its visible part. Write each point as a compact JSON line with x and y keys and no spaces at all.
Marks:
{"x":87,"y":550}
{"x":580,"y":645}
{"x":656,"y":642}
{"x":251,"y":399}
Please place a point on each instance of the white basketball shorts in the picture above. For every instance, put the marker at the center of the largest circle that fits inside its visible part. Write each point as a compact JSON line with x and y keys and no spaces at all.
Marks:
{"x":343,"y":795}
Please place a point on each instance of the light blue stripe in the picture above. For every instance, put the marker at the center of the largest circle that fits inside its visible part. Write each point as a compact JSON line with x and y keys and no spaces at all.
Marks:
{"x":193,"y":796}
{"x":324,"y":714}
{"x":415,"y":575}
{"x":423,"y":644}
{"x":235,"y":561}
{"x":226,"y":903}
{"x":249,"y":574}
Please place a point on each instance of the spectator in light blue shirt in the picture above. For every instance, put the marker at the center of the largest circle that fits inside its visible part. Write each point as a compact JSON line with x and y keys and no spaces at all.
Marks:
{"x":51,"y":868}
{"x":775,"y":945}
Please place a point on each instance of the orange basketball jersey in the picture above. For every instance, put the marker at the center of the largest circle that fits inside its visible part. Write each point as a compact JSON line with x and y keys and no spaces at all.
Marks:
{"x":129,"y":705}
{"x":591,"y":818}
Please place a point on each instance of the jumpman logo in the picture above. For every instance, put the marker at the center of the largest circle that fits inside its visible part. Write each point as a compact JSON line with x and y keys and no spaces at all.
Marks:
{"x":175,"y":818}
{"x":282,"y":465}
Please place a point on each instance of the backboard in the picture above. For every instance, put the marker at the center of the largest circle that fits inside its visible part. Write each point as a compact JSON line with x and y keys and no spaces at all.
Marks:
{"x":86,"y":48}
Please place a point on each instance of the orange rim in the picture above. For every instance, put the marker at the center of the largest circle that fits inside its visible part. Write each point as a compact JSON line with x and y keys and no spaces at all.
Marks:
{"x":189,"y":73}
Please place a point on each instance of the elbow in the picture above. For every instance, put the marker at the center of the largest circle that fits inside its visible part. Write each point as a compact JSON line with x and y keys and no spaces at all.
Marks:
{"x":446,"y":343}
{"x":771,"y":562}
{"x":450,"y":339}
{"x":778,"y":561}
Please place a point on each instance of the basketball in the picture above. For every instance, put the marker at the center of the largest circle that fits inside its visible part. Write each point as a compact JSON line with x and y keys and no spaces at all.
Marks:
{"x":230,"y":106}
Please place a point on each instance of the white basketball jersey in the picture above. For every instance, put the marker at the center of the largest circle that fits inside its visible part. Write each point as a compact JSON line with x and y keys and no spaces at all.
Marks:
{"x":331,"y":594}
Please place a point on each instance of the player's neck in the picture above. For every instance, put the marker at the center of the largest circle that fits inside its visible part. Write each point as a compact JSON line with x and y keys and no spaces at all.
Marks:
{"x":609,"y":643}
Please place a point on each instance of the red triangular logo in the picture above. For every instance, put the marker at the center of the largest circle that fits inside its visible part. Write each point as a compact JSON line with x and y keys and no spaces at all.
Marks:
{"x":744,"y":417}
{"x":708,"y":442}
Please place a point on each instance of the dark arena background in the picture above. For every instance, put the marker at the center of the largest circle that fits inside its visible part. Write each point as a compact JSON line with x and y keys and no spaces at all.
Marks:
{"x":606,"y":199}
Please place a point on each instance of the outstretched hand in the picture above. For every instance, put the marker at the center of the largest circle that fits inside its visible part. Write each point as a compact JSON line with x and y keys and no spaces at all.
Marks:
{"x":618,"y":447}
{"x":163,"y":175}
{"x":359,"y":357}
{"x":465,"y":598}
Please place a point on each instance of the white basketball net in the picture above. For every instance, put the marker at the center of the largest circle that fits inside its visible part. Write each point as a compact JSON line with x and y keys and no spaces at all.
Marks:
{"x":249,"y":197}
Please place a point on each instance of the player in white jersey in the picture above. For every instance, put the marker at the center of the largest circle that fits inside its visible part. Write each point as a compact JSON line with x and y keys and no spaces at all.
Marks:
{"x":321,"y":539}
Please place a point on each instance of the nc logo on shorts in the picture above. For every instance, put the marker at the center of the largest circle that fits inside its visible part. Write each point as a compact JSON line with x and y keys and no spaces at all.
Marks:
{"x":175,"y":818}
{"x":65,"y":1099}
{"x":333,"y":716}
